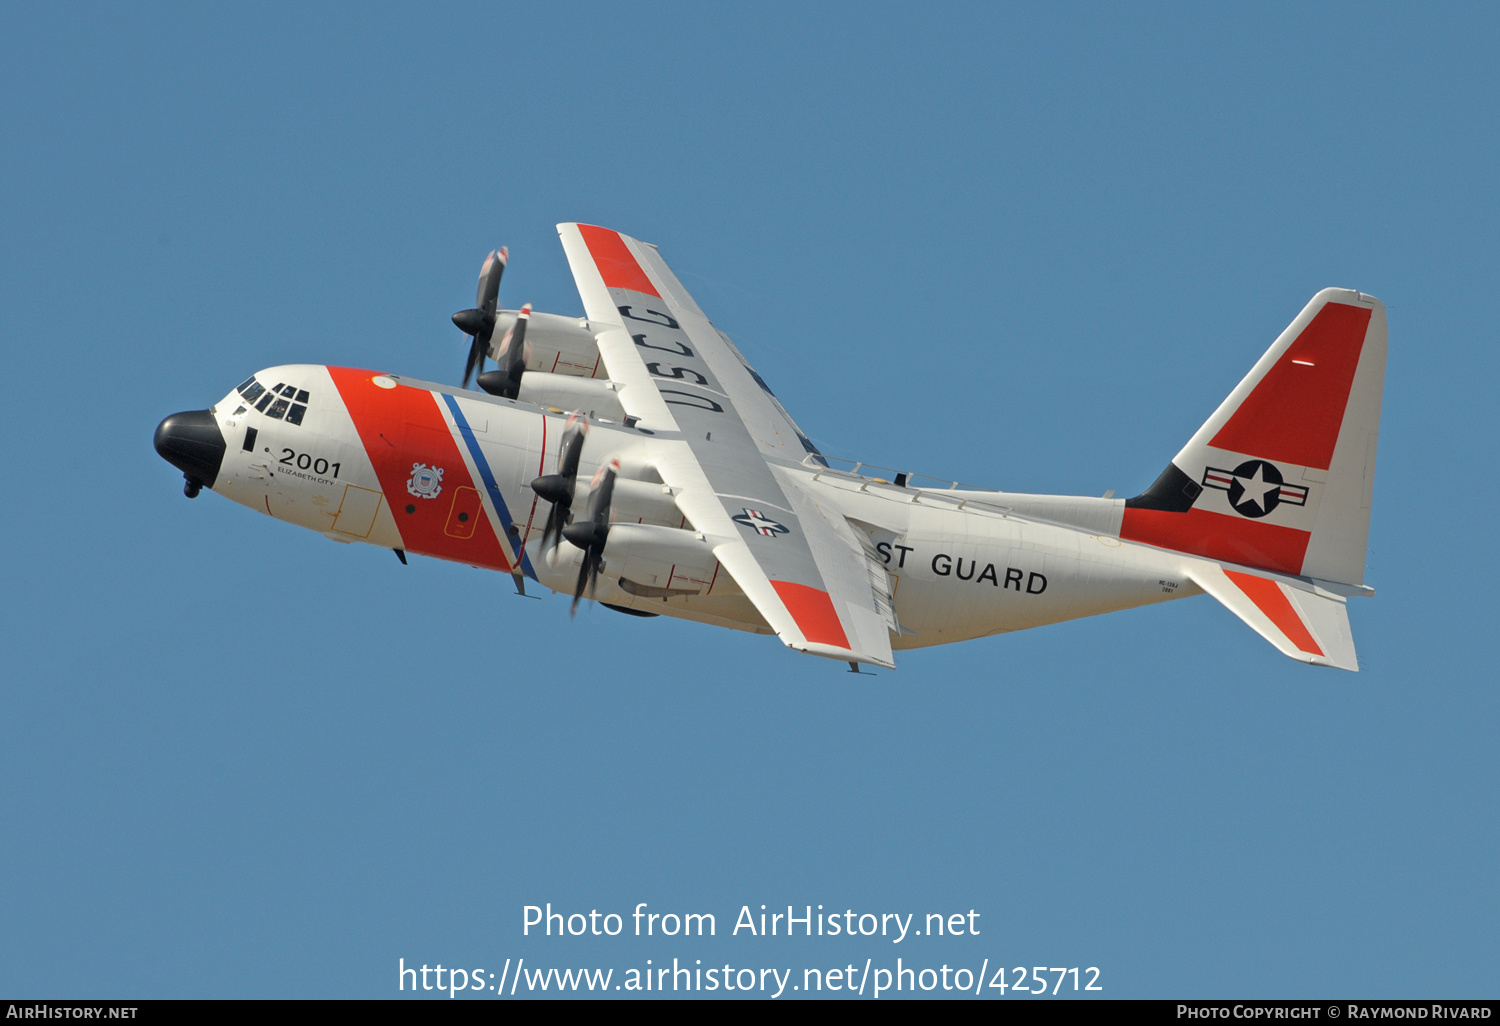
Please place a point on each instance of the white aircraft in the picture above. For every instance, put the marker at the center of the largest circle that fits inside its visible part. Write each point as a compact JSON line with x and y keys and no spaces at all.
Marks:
{"x":682,"y":487}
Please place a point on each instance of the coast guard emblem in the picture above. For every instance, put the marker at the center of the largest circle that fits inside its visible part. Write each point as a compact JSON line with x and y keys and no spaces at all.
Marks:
{"x":426,"y":482}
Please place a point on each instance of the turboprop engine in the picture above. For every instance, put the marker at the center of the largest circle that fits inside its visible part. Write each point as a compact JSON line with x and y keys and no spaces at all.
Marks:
{"x":659,"y":562}
{"x":566,"y":392}
{"x":649,"y":560}
{"x":514,"y":378}
{"x":544,"y":359}
{"x":558,"y":344}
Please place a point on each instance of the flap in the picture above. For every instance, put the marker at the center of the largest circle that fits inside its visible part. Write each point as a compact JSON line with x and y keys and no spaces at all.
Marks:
{"x":865,"y":612}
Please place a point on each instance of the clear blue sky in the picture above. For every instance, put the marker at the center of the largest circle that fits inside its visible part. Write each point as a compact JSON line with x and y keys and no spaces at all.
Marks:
{"x":1027,"y":247}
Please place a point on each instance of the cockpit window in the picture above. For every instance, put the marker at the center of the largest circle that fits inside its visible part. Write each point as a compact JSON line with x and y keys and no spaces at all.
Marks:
{"x":282,"y":400}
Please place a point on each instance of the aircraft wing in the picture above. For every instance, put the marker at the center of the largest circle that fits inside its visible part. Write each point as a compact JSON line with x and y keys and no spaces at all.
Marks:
{"x":680,"y":378}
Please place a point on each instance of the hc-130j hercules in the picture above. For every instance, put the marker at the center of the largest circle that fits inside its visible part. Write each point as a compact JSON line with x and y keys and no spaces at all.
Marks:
{"x":634,"y":456}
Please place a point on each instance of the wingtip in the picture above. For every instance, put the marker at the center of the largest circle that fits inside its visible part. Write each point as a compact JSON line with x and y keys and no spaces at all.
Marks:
{"x":835,"y":652}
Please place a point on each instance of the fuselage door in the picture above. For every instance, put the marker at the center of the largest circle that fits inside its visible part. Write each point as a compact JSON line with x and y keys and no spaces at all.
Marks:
{"x":356,"y":514}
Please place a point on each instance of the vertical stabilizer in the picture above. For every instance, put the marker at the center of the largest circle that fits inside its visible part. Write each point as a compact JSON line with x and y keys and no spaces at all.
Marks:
{"x":1280,"y":477}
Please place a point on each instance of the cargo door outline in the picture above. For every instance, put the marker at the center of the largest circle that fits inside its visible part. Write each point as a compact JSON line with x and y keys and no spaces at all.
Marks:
{"x":356,"y":513}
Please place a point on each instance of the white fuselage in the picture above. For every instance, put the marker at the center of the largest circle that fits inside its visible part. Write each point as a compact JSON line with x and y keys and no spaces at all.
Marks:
{"x":431,"y":470}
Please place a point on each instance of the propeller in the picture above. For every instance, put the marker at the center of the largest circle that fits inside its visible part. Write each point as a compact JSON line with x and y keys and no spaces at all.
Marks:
{"x":558,"y":488}
{"x":480,"y":322}
{"x":506,"y":380}
{"x":592,"y":534}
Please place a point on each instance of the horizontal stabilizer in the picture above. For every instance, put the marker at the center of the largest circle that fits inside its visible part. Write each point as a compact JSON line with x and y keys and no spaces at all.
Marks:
{"x":1304,"y":621}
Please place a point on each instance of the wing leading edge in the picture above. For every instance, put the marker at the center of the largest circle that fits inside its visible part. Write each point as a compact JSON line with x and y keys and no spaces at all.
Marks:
{"x":800,"y":565}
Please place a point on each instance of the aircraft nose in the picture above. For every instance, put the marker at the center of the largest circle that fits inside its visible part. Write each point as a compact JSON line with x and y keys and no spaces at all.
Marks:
{"x":193,"y":444}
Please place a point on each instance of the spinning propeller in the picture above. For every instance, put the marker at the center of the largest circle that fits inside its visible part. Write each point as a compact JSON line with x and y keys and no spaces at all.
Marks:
{"x":480,"y":322}
{"x":558,"y":488}
{"x":592,"y":534}
{"x":506,"y":381}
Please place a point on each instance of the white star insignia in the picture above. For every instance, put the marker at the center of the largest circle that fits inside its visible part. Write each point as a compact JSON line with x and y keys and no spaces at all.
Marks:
{"x":1256,"y":488}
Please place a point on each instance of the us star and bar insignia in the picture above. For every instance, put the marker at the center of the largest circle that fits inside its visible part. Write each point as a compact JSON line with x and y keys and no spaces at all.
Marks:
{"x":1255,"y":488}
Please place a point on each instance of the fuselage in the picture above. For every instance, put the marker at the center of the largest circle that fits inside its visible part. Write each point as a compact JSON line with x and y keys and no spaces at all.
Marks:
{"x":421,"y":468}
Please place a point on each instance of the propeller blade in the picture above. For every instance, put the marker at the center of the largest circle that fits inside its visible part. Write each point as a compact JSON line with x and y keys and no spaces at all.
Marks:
{"x":557,"y":519}
{"x":592,"y":535}
{"x":586,"y":575}
{"x":476,"y":356}
{"x":591,"y":538}
{"x":601,"y":493}
{"x":489,"y":279}
{"x":480,"y":322}
{"x":558,"y":488}
{"x":511,"y":355}
{"x":514,"y":353}
{"x":574,"y":431}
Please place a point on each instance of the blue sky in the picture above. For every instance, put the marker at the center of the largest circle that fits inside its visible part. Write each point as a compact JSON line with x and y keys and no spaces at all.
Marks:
{"x":1029,"y":248}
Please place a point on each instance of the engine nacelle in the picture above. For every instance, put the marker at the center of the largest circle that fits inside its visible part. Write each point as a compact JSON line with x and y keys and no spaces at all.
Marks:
{"x":642,"y":500}
{"x":659,"y":562}
{"x":558,"y":344}
{"x":570,"y":392}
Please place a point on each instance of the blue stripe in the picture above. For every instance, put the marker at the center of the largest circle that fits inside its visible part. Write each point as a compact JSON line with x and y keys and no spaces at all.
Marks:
{"x":488,"y":477}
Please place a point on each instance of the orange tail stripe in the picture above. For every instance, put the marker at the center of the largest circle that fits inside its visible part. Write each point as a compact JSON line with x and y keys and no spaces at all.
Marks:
{"x":1269,"y":599}
{"x":1294,"y":414}
{"x":1218,"y":536}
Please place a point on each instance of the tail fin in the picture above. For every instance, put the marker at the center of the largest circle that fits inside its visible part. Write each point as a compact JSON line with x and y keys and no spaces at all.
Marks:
{"x":1280,"y":477}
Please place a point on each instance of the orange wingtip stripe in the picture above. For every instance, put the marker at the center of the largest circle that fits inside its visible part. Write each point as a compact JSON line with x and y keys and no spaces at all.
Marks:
{"x":813,"y":610}
{"x":1269,"y":599}
{"x":617,"y":265}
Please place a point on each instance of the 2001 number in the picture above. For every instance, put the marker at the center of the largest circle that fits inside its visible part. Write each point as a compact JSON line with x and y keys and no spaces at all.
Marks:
{"x":303,"y":461}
